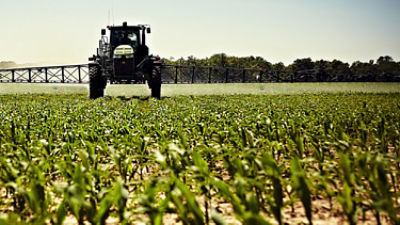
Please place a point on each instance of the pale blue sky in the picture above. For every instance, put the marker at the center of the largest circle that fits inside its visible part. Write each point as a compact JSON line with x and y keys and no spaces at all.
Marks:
{"x":61,"y":31}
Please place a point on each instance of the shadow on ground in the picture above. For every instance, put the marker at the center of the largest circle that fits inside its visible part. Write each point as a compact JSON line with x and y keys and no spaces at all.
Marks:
{"x":142,"y":98}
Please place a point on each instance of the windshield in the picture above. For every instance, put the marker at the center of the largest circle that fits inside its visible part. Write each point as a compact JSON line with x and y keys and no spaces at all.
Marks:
{"x":124,"y":37}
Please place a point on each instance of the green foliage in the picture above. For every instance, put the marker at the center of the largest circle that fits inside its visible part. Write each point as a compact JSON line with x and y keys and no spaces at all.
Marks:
{"x":110,"y":159}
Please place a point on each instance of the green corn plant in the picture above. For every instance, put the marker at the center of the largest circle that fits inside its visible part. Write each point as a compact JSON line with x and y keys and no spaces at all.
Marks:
{"x":203,"y":176}
{"x":373,"y":168}
{"x":346,"y":196}
{"x":270,"y":166}
{"x":75,"y":198}
{"x":149,"y":202}
{"x":250,"y":215}
{"x":37,"y":197}
{"x":13,"y":179}
{"x":186,"y":205}
{"x":301,"y":186}
{"x":117,"y":197}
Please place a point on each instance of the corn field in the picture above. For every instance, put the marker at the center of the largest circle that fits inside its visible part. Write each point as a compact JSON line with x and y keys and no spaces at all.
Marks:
{"x":199,"y":160}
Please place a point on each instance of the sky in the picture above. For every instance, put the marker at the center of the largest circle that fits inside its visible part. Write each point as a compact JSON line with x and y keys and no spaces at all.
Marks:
{"x":67,"y":31}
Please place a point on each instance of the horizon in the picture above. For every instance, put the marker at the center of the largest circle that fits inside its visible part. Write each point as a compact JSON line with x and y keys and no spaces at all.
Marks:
{"x":277,"y":31}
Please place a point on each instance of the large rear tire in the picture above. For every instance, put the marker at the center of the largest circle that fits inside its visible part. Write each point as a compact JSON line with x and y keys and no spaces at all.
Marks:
{"x":97,"y":83}
{"x":155,"y":82}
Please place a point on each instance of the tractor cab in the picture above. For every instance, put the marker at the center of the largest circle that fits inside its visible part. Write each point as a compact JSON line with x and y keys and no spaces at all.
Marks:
{"x":124,"y":37}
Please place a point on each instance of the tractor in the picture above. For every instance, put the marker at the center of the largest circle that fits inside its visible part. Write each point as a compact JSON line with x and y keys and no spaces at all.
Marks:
{"x":124,"y":58}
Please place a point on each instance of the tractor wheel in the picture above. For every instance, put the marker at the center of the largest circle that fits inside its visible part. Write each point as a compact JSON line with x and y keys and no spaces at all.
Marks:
{"x":97,"y":82}
{"x":155,"y":82}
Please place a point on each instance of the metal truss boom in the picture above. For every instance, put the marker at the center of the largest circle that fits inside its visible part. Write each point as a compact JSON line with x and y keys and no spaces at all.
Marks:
{"x":169,"y":73}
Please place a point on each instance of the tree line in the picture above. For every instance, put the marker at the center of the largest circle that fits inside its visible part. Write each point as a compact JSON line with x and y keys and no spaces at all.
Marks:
{"x":7,"y":64}
{"x":384,"y":69}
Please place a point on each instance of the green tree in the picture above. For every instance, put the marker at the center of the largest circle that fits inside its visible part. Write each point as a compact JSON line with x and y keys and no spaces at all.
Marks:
{"x":7,"y":64}
{"x":388,"y":70}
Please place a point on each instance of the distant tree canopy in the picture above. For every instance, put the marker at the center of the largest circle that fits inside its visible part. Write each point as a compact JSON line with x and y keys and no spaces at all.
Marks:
{"x":305,"y":69}
{"x":224,"y":61}
{"x":7,"y":64}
